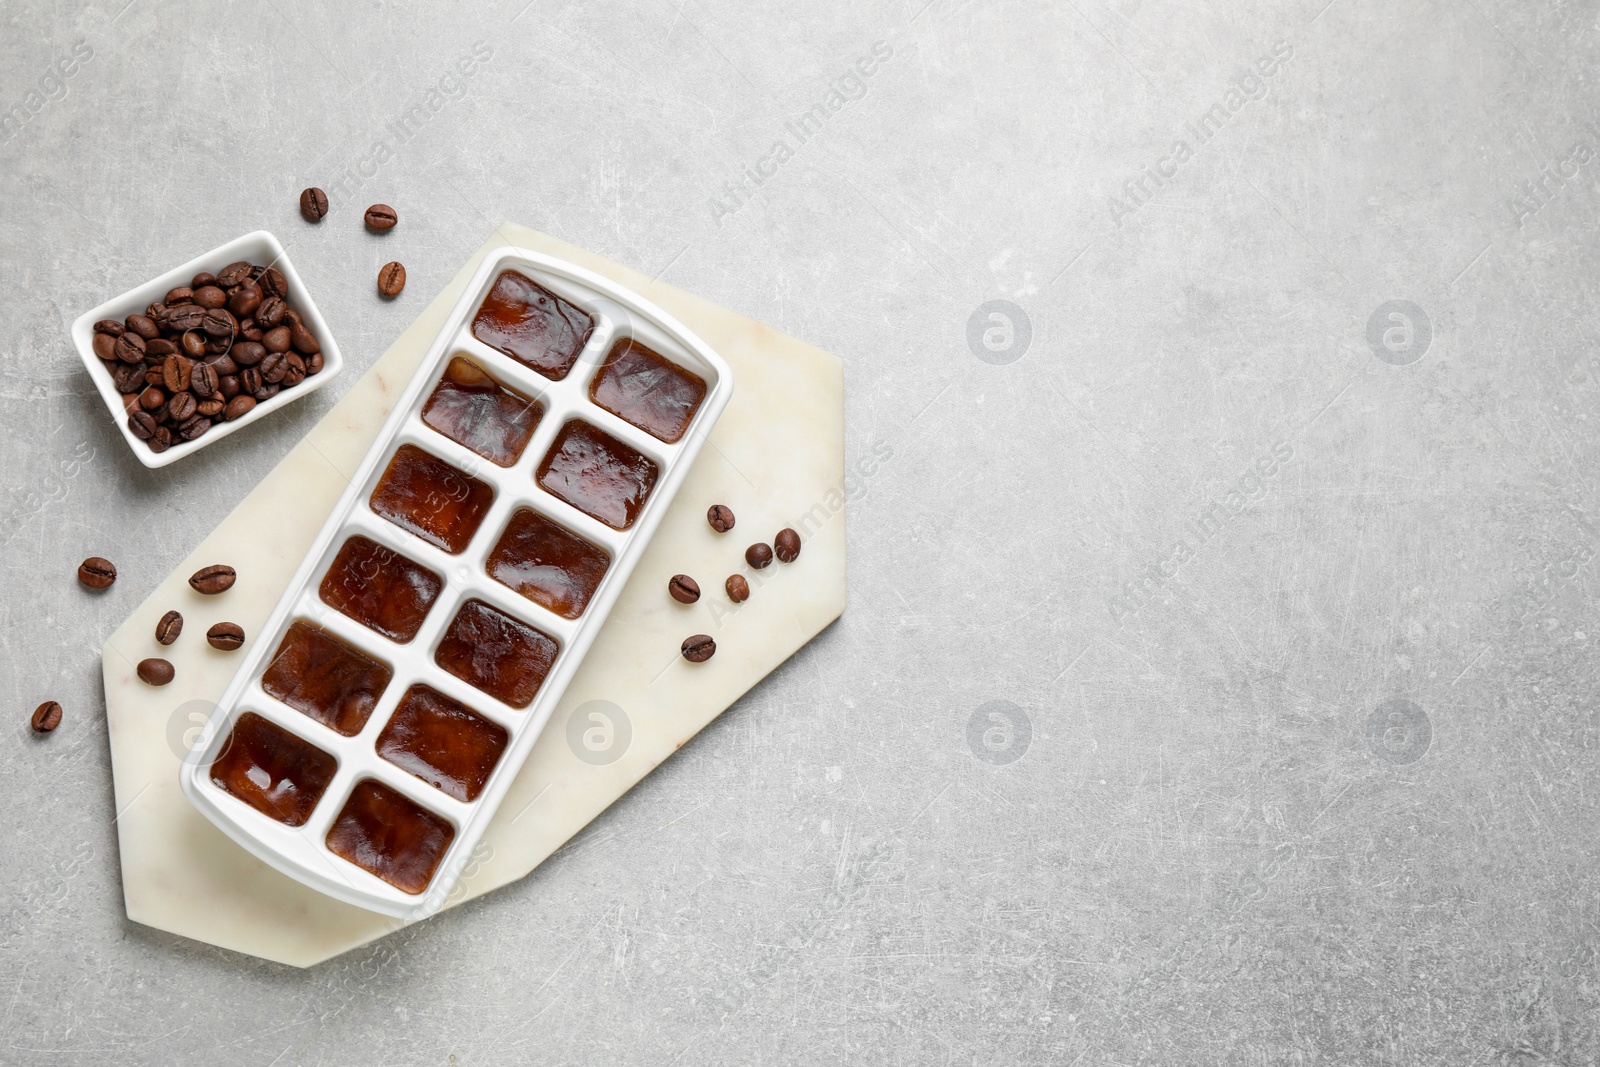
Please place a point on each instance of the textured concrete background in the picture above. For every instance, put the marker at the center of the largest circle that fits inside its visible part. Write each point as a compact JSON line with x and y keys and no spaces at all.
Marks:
{"x":1217,"y":685}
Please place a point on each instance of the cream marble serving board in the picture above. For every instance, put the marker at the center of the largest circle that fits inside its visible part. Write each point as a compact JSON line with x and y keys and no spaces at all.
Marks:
{"x":776,"y":457}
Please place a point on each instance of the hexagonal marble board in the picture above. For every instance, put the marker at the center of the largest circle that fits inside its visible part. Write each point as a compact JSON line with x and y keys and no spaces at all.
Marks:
{"x":776,"y":457}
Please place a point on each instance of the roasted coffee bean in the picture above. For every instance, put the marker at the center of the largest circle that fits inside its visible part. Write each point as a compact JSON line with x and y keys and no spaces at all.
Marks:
{"x":247,"y":353}
{"x":222,"y":364}
{"x":787,"y":544}
{"x":267,"y":391}
{"x":303,"y":340}
{"x":296,"y":371}
{"x":313,"y":363}
{"x":245,"y":300}
{"x":684,"y":589}
{"x":152,"y":398}
{"x":130,"y":348}
{"x":233,"y":274}
{"x":247,"y":323}
{"x":270,"y":313}
{"x":229,"y":384}
{"x":177,"y":370}
{"x":250,"y":380}
{"x":128,"y":377}
{"x":273,"y":283}
{"x":185,"y":317}
{"x":225,"y":635}
{"x":218,"y":322}
{"x":238,"y":407}
{"x":97,"y":572}
{"x":210,"y":296}
{"x":274,"y":366}
{"x":195,"y":428}
{"x":738,"y":589}
{"x":181,"y":407}
{"x":142,"y":423}
{"x":210,"y":408}
{"x":381,"y":217}
{"x":205,"y":277}
{"x":155,"y":671}
{"x":110,"y":327}
{"x":217,"y":578}
{"x":218,"y":346}
{"x":155,"y":311}
{"x":105,"y":346}
{"x":160,"y":348}
{"x":130,"y":403}
{"x":276,"y":340}
{"x":252,"y":334}
{"x":391,"y":280}
{"x":203,"y":380}
{"x":699,"y":648}
{"x":168,"y":628}
{"x":720,"y":516}
{"x":183,"y":294}
{"x":758,"y":555}
{"x":46,"y":717}
{"x":291,"y":316}
{"x":313,"y":204}
{"x":144,"y":326}
{"x":161,"y":440}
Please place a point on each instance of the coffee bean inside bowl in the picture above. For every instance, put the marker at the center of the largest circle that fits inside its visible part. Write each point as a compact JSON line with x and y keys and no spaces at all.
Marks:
{"x":227,"y":320}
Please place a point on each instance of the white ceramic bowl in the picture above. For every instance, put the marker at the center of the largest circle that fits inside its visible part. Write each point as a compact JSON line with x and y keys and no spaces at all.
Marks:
{"x":258,"y":247}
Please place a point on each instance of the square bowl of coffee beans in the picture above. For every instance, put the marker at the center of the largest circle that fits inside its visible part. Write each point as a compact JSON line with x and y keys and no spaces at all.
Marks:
{"x":208,"y":347}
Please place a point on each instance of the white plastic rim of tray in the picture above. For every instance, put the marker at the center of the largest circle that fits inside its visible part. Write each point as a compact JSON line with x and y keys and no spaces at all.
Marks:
{"x":301,"y":852}
{"x":257,"y":247}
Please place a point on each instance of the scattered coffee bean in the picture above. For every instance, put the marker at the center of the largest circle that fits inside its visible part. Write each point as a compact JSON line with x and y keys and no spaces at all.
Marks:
{"x":391,"y":279}
{"x":699,"y":648}
{"x":720,"y":516}
{"x":381,"y":217}
{"x":787,"y":544}
{"x":684,"y":589}
{"x":168,"y":628}
{"x":212,"y":580}
{"x":738,"y":589}
{"x":97,"y":572}
{"x":313,"y":204}
{"x":758,"y":555}
{"x":225,"y":635}
{"x":46,"y":717}
{"x":155,"y":671}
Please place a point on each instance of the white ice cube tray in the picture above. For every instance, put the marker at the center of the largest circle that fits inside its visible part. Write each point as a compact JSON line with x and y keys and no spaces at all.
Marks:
{"x":301,"y":852}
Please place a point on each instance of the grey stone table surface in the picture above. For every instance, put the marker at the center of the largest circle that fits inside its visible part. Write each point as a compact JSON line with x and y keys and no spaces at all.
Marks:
{"x":1217,"y":684}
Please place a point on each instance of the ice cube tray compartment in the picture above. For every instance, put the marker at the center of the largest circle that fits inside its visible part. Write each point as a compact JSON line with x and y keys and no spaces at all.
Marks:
{"x":461,"y":564}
